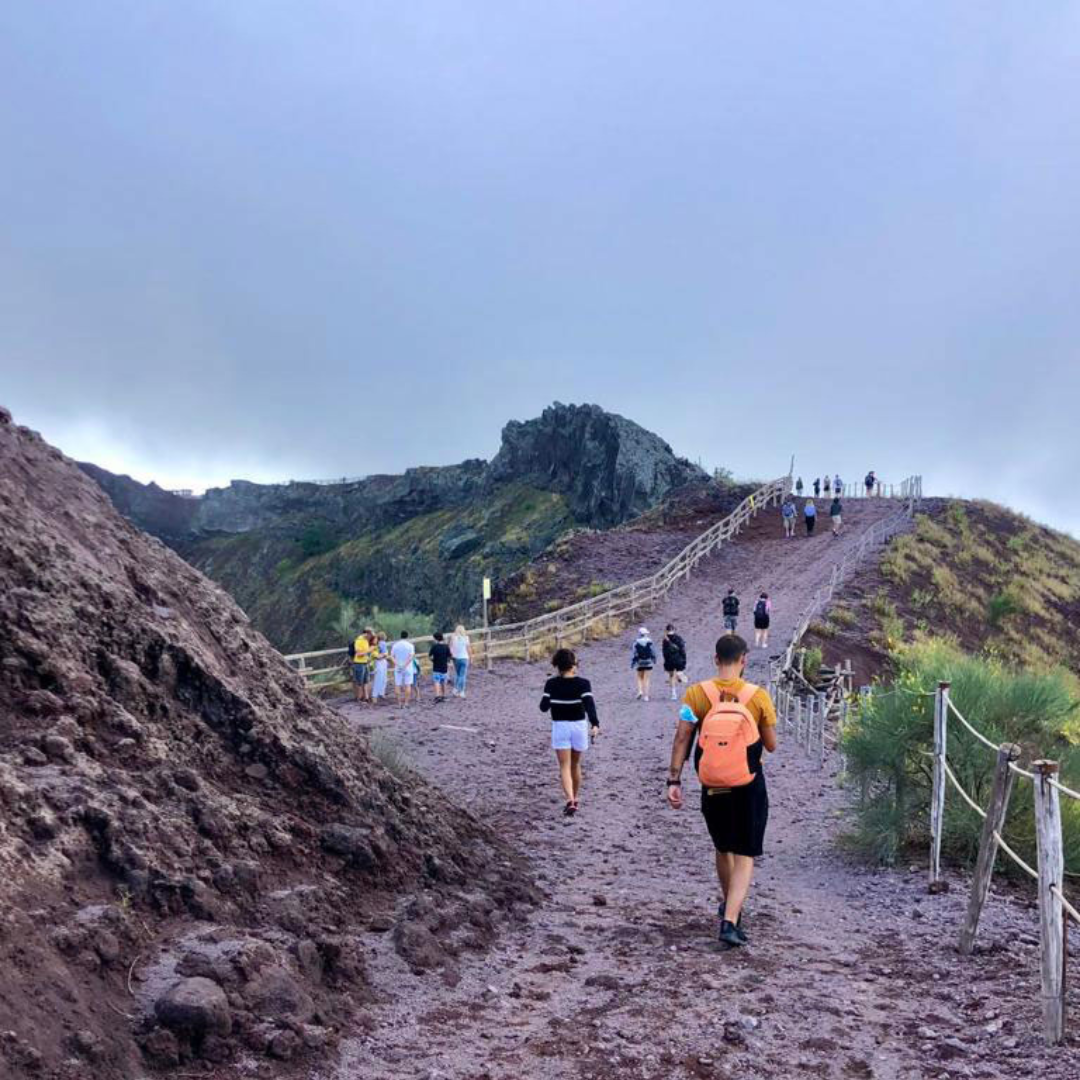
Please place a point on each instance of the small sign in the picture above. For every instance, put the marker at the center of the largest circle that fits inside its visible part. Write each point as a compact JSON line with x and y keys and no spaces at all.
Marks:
{"x":487,"y":588}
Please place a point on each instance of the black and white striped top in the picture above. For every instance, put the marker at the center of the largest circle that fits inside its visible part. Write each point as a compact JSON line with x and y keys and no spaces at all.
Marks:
{"x":569,"y":698}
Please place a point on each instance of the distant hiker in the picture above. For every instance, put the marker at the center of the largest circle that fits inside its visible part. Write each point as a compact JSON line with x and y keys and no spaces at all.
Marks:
{"x":817,"y":487}
{"x":730,"y":610}
{"x":643,"y":660}
{"x":838,"y":488}
{"x":361,"y":667}
{"x":382,"y":665}
{"x":417,"y":681}
{"x":674,"y":649}
{"x":798,"y":487}
{"x":810,"y":516}
{"x":734,"y":722}
{"x":440,"y":665}
{"x":827,"y":485}
{"x":459,"y":652}
{"x":835,"y":510}
{"x":569,"y":699}
{"x":870,"y":481}
{"x":402,"y":653}
{"x":762,"y":611}
{"x":787,"y":511}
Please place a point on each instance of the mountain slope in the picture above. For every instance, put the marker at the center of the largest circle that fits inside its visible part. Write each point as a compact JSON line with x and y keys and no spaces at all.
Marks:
{"x":291,"y":553}
{"x":191,"y":844}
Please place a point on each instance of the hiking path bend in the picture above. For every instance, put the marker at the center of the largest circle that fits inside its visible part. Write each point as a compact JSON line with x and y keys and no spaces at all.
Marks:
{"x":850,"y":973}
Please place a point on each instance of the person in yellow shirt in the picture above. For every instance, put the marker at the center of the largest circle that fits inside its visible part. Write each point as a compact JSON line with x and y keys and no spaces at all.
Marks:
{"x":362,"y":659}
{"x":736,"y":816}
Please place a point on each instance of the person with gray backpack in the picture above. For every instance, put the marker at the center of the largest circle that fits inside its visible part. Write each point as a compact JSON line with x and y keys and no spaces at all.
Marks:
{"x":787,"y":512}
{"x":643,"y":660}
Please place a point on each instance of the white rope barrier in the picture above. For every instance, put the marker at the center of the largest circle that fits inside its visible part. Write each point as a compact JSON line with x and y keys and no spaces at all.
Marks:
{"x":1014,"y":768}
{"x":963,"y":794}
{"x":1064,"y":790}
{"x":1059,"y":896}
{"x":1015,"y":858}
{"x":978,"y":734}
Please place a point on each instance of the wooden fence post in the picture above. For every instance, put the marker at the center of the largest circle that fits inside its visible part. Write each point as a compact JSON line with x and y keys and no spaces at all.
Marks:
{"x":487,"y":648}
{"x":937,"y":805}
{"x":823,"y":711}
{"x":526,"y":643}
{"x":1051,"y":924}
{"x":994,"y":822}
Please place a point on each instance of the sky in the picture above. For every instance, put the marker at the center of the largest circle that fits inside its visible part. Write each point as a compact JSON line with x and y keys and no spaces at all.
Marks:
{"x":304,"y":240}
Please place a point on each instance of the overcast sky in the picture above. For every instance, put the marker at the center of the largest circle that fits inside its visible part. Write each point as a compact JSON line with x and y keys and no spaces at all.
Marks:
{"x":277,"y":240}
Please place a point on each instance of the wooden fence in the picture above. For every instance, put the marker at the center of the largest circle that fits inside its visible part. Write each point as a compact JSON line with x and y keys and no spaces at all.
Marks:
{"x":596,"y":616}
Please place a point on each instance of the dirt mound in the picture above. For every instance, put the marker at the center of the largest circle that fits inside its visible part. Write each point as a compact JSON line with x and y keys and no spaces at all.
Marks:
{"x":191,"y":846}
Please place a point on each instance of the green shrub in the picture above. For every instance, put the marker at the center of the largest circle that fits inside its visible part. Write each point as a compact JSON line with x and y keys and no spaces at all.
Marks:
{"x":1000,"y":607}
{"x":889,"y":749}
{"x":812,"y":664}
{"x":317,"y":538}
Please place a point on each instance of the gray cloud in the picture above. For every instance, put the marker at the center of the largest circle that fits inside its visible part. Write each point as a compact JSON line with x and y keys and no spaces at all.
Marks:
{"x":284,"y":240}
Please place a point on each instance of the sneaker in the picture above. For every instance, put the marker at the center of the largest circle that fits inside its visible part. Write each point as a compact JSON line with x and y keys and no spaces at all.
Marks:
{"x":646,"y":698}
{"x":639,"y":697}
{"x":730,"y":937}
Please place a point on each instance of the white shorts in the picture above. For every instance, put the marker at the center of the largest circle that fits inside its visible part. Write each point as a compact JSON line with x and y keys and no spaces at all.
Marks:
{"x":570,"y":734}
{"x":403,"y":676}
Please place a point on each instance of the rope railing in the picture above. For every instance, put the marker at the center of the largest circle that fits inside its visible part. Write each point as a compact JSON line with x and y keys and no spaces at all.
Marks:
{"x":1054,"y":907}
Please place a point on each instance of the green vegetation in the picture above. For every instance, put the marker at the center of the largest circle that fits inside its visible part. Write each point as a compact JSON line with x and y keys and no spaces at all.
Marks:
{"x":812,"y":661}
{"x":889,"y":751}
{"x":350,"y":621}
{"x":391,"y":756}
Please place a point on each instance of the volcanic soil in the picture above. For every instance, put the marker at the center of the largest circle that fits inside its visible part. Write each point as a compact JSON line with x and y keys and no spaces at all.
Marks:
{"x":851,"y":973}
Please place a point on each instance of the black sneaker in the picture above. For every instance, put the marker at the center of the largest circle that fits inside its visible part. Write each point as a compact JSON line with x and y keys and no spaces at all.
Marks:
{"x":730,"y":935}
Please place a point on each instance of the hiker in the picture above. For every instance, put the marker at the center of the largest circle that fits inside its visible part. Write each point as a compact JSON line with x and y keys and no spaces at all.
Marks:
{"x":642,"y":660}
{"x":734,"y":722}
{"x":827,"y":485}
{"x":417,"y":680}
{"x":762,"y":611}
{"x":835,"y":510}
{"x":361,"y":667}
{"x":402,"y":653}
{"x":382,"y":665}
{"x":787,"y":512}
{"x":810,"y":516}
{"x":674,"y":649}
{"x":838,"y":488}
{"x":730,"y":610}
{"x":459,"y":652}
{"x":870,"y":481}
{"x":817,"y":488}
{"x":569,"y":699}
{"x":440,"y":665}
{"x":798,"y":487}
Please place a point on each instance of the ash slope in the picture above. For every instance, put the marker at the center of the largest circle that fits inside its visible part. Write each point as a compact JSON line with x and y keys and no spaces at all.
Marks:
{"x":190,"y":844}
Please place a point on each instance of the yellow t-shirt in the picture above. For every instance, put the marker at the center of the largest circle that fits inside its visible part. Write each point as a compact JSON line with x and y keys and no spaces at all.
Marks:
{"x":362,"y":650}
{"x":760,"y":705}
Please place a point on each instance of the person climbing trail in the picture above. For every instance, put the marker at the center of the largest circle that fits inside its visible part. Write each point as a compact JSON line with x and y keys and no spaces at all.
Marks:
{"x":798,"y":487}
{"x":787,"y":512}
{"x":674,"y":650}
{"x":730,"y":610}
{"x":440,"y":665}
{"x":817,"y":487}
{"x":643,"y":660}
{"x":837,"y":486}
{"x":762,"y":613}
{"x":734,"y":721}
{"x":835,"y":512}
{"x":810,"y":516}
{"x":569,"y":699}
{"x":827,"y":485}
{"x":459,"y":650}
{"x":870,"y":482}
{"x":362,"y":655}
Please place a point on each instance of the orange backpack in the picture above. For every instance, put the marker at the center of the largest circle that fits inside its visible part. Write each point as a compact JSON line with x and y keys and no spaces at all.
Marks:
{"x":724,"y":736}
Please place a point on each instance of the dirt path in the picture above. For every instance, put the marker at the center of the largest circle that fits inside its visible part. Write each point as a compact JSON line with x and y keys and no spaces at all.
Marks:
{"x":851,"y":973}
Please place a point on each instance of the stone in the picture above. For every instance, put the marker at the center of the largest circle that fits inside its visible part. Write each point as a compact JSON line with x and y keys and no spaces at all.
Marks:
{"x":161,"y":1048}
{"x":351,"y":842}
{"x":284,"y":1044}
{"x":275,"y":994}
{"x":195,"y":1007}
{"x":32,"y":756}
{"x":188,"y":779}
{"x":57,"y":748}
{"x":257,"y":771}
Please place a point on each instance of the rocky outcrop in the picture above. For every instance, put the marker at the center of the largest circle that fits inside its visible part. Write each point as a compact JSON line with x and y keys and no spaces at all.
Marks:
{"x":609,"y":468}
{"x":192,"y":844}
{"x":422,"y":541}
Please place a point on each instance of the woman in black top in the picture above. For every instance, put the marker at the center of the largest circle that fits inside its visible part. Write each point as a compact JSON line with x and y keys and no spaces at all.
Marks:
{"x":569,"y":699}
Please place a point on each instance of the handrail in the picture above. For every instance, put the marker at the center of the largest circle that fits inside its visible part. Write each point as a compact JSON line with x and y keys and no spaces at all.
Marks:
{"x":620,"y":600}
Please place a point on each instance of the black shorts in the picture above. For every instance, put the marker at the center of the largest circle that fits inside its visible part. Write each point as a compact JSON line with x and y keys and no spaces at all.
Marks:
{"x":672,"y":668}
{"x":761,"y":622}
{"x":736,"y":818}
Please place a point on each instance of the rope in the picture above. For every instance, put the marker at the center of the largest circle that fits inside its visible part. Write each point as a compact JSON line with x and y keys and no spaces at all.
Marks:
{"x":1064,"y":790}
{"x":978,"y":734}
{"x":1012,"y":855}
{"x":1013,"y":767}
{"x":963,"y":794}
{"x":1060,"y":896}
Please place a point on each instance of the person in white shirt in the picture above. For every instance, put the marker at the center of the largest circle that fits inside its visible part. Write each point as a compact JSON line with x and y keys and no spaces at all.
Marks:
{"x":459,"y":653}
{"x":402,"y":654}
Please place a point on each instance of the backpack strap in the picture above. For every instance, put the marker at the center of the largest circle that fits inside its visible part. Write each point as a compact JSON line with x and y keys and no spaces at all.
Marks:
{"x":712,"y":692}
{"x":745,"y":695}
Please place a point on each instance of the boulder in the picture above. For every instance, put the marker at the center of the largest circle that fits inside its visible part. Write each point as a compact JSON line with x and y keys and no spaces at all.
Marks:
{"x":195,"y":1007}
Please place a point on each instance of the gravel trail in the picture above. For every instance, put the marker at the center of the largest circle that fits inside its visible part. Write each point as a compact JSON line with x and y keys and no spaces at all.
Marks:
{"x":851,"y":972}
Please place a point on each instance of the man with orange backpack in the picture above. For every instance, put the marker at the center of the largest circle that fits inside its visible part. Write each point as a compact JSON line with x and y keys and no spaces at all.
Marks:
{"x":735,"y":722}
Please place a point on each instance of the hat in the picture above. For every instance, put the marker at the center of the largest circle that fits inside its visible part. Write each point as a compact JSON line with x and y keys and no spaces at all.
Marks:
{"x":643,"y":631}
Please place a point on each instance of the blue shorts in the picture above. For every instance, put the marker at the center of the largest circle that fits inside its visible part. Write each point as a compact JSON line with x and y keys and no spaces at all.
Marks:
{"x":361,"y":673}
{"x":439,"y":678}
